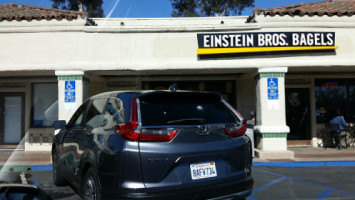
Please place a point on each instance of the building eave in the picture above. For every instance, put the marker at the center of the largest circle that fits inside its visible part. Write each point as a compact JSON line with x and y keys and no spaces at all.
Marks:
{"x":43,"y":26}
{"x":146,"y":25}
{"x":305,"y":21}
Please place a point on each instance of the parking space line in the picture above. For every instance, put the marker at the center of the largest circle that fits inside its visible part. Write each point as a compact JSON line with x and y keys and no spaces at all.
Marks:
{"x":325,"y":194}
{"x":328,"y":189}
{"x":251,"y":198}
{"x":268,"y":172}
{"x":322,"y":186}
{"x":273,"y":182}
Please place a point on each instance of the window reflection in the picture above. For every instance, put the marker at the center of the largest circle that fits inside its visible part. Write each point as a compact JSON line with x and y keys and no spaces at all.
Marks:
{"x":114,"y":114}
{"x":332,"y":95}
{"x":44,"y":104}
{"x":95,"y":113}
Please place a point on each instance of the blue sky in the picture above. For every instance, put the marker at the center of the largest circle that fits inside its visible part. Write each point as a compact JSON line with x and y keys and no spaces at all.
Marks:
{"x":146,"y":8}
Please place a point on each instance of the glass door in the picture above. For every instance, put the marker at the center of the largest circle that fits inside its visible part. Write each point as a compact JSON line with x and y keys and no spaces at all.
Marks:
{"x":297,"y":113}
{"x":11,"y":118}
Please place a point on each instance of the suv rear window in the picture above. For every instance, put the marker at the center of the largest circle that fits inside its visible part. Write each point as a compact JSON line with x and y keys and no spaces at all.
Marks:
{"x":184,"y":108}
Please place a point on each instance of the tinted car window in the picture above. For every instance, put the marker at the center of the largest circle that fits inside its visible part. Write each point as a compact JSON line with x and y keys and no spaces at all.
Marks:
{"x":78,"y":115}
{"x":180,"y":108}
{"x":95,"y":113}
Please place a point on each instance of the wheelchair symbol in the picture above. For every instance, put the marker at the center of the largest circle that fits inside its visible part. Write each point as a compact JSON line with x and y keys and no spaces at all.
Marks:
{"x":272,"y":83}
{"x":69,"y":86}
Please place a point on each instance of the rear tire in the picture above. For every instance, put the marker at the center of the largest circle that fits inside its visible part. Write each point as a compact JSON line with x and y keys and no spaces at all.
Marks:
{"x":91,"y":188}
{"x":58,"y":177}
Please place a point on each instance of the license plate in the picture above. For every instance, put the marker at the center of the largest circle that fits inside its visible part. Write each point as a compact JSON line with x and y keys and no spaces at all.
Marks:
{"x":203,"y":170}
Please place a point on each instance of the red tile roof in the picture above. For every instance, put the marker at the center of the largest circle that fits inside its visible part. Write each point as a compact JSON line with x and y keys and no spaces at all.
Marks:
{"x":326,"y":7}
{"x":18,"y":12}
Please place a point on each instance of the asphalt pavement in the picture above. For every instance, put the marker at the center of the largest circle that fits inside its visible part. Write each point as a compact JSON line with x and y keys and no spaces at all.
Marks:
{"x":314,"y":173}
{"x":271,"y":183}
{"x":312,"y":182}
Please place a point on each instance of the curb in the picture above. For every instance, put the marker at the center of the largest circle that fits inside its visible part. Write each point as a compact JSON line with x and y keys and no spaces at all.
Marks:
{"x":261,"y":164}
{"x":42,"y":168}
{"x":18,"y":168}
{"x":307,"y":164}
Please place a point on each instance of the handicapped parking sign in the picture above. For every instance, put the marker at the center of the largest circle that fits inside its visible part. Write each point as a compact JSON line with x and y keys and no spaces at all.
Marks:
{"x":69,"y":91}
{"x":272,"y":89}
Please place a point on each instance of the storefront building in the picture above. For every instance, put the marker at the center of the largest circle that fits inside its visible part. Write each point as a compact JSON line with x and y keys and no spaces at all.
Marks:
{"x":292,"y":65}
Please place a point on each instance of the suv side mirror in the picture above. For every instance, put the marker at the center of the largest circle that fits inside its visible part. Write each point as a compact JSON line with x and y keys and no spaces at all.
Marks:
{"x":59,"y":124}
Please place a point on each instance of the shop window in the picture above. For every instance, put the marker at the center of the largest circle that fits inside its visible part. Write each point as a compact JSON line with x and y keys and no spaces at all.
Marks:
{"x":330,"y":96}
{"x":44,"y":104}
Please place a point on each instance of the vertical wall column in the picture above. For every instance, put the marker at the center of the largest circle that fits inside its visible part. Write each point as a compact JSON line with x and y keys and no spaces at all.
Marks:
{"x":72,"y":91}
{"x":271,"y":128}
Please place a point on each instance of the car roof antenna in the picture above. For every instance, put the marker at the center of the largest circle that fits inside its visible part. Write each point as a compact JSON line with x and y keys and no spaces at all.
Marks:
{"x":172,"y":88}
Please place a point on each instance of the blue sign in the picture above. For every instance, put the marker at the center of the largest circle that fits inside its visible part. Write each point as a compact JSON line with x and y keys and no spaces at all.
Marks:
{"x":272,"y":89}
{"x":69,"y":91}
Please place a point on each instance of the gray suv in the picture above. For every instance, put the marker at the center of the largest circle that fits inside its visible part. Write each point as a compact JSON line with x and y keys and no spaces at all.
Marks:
{"x":154,"y":145}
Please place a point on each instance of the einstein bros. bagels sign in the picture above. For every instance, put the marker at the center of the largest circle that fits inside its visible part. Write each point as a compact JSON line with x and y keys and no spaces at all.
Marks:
{"x":234,"y":43}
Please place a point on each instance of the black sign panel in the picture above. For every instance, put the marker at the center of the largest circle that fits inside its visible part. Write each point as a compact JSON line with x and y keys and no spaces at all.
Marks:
{"x":266,"y":39}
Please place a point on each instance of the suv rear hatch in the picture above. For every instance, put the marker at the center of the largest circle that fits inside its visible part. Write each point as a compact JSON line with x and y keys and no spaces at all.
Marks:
{"x":189,"y":139}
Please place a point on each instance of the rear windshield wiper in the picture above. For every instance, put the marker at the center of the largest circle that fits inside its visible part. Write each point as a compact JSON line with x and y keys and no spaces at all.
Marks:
{"x":190,"y":121}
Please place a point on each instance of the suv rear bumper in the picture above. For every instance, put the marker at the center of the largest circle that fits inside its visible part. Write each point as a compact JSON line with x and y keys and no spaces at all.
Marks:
{"x":232,"y":190}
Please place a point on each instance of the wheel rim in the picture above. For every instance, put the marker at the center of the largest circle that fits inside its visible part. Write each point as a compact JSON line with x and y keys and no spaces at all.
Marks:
{"x":90,"y":189}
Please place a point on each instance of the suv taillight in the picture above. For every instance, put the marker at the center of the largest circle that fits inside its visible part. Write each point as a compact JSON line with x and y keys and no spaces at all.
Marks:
{"x":236,"y":131}
{"x":129,"y":130}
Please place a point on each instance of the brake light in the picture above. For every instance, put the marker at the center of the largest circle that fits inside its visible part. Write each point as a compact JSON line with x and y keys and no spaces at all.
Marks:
{"x":237,"y":131}
{"x":129,"y":131}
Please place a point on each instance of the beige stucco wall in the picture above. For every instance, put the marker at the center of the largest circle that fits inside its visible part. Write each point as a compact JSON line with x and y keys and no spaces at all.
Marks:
{"x":156,"y":44}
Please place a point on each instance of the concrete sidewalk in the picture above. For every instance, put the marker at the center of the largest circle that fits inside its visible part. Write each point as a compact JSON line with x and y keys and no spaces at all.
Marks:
{"x":304,"y":154}
{"x":19,"y":157}
{"x":323,"y":154}
{"x":34,"y":158}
